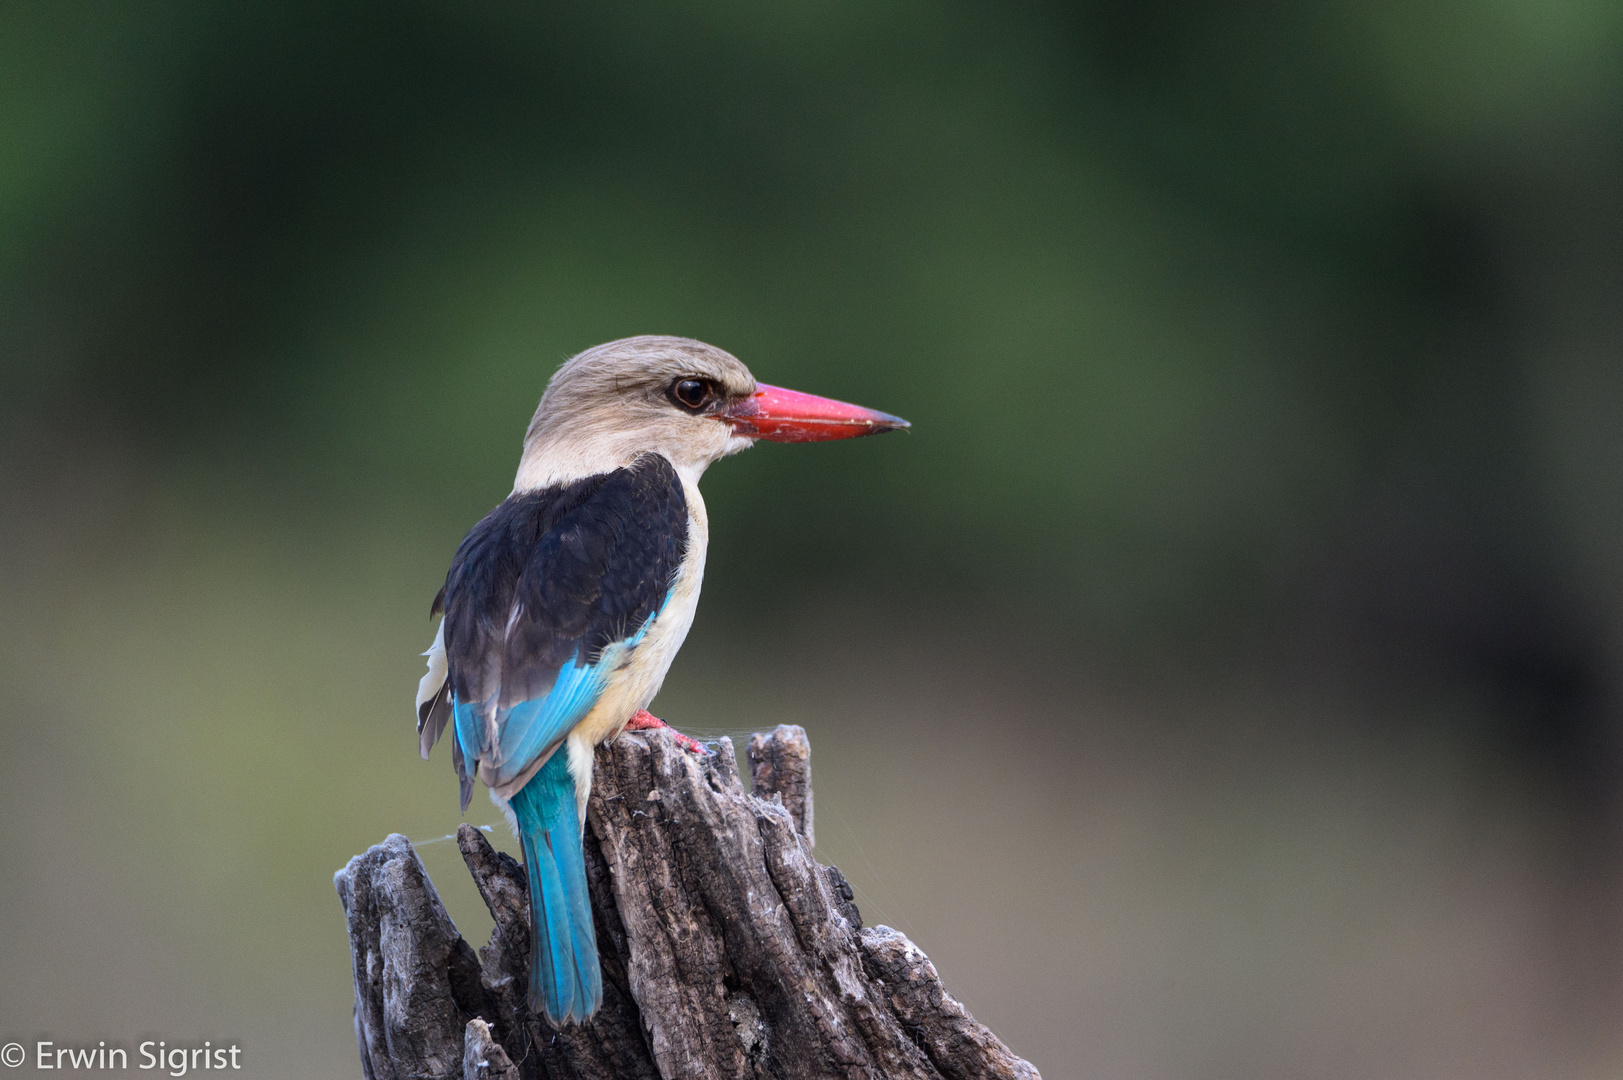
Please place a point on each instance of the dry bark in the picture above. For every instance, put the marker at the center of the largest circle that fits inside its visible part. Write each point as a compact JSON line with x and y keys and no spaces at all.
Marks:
{"x":727,"y":949}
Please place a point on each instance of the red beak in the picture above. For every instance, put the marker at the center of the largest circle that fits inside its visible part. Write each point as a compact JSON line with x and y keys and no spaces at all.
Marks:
{"x":789,"y":416}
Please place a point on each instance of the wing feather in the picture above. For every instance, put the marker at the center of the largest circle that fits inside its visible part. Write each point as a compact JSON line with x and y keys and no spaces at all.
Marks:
{"x":544,"y":598}
{"x":433,"y":695}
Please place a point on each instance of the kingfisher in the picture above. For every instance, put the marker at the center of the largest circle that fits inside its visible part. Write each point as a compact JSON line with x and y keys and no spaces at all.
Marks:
{"x":565,"y":605}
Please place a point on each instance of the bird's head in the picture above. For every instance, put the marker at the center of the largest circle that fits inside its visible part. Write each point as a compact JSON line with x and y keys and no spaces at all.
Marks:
{"x":690,"y":401}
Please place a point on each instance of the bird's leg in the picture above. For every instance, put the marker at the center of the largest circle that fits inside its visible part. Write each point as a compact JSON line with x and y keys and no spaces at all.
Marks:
{"x":647,"y":721}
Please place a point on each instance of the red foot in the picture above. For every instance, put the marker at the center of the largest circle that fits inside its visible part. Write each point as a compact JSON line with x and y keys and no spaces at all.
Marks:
{"x":647,"y":721}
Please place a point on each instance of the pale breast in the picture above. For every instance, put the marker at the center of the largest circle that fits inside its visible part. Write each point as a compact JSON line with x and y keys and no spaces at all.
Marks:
{"x":635,"y":685}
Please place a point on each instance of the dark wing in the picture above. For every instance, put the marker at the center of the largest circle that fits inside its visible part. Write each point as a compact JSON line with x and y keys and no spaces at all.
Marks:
{"x":544,"y":597}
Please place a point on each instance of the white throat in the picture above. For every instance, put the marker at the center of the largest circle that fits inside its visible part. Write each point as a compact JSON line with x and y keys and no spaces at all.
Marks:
{"x":551,"y":461}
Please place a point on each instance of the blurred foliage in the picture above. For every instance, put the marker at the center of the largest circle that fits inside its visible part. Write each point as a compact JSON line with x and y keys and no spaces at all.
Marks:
{"x":1164,"y":287}
{"x":1279,"y":336}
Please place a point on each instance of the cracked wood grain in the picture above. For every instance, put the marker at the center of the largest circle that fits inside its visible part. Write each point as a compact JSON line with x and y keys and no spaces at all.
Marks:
{"x":728,"y":951}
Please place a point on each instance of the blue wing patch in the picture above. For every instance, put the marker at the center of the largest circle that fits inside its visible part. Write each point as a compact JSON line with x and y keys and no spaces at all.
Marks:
{"x":539,"y":608}
{"x":543,"y":600}
{"x":531,"y":728}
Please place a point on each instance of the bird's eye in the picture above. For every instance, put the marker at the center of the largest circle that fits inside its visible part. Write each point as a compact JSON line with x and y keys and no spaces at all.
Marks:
{"x":693,"y":394}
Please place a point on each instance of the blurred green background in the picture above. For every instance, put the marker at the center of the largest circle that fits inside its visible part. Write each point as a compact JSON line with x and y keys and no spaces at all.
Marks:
{"x":1222,"y":679}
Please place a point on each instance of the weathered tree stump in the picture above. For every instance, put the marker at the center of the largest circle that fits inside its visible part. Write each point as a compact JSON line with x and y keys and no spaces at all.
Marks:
{"x":727,"y":949}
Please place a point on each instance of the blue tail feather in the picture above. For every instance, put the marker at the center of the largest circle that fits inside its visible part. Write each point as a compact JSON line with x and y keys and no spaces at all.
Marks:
{"x":565,"y":979}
